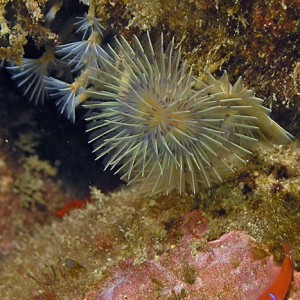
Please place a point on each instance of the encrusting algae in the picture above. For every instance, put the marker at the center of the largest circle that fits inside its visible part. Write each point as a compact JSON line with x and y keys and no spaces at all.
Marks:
{"x":264,"y":200}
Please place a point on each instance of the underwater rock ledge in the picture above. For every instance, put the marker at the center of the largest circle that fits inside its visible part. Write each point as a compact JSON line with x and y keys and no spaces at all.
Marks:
{"x":227,"y":268}
{"x":76,"y":256}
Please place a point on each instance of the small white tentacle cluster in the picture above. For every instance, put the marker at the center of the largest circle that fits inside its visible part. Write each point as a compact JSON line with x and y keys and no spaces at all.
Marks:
{"x":83,"y":57}
{"x":30,"y":75}
{"x":84,"y":54}
{"x":161,"y":128}
{"x":78,"y":59}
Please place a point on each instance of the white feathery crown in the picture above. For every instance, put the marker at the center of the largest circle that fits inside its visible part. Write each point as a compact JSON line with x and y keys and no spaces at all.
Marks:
{"x":162,"y":133}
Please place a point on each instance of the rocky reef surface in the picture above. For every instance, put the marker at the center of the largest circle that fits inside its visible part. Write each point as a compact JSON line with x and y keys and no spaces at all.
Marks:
{"x":227,"y":268}
{"x":162,"y":247}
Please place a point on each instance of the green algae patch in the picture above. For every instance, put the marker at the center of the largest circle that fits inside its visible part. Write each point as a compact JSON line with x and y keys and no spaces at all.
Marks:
{"x":30,"y":185}
{"x":263,"y":200}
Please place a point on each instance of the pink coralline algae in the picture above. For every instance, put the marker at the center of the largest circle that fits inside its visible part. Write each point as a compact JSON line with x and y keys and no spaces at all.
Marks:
{"x":222,"y":269}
